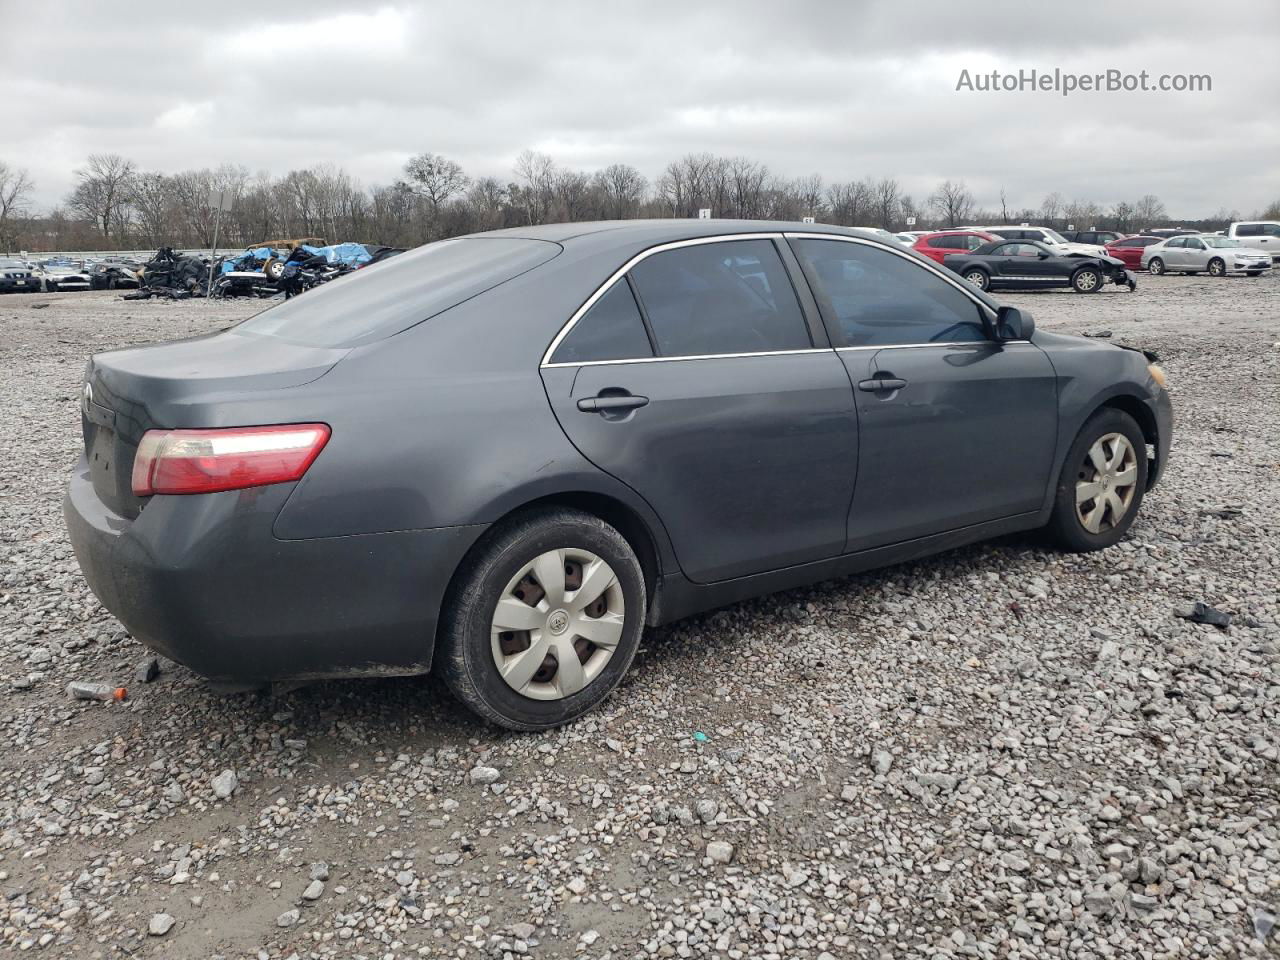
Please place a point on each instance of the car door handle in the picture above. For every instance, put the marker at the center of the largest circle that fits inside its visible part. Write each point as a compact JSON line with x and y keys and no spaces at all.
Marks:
{"x":609,"y":404}
{"x":881,"y":384}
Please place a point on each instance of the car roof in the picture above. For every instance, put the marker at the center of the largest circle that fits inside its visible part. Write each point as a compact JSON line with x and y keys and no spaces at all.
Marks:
{"x":612,"y":233}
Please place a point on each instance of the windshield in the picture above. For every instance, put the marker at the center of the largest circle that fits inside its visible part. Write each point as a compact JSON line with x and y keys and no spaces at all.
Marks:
{"x":1221,"y":242}
{"x":1053,"y":236}
{"x":11,"y":264}
{"x":388,"y":297}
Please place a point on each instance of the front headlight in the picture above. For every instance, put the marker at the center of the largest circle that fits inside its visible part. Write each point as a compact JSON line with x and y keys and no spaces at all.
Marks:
{"x":1157,"y":374}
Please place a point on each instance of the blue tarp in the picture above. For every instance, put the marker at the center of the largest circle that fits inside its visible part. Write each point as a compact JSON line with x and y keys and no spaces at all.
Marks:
{"x":350,"y":254}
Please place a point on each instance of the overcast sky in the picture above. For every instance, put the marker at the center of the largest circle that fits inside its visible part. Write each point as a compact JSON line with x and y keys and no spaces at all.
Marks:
{"x":843,"y":89}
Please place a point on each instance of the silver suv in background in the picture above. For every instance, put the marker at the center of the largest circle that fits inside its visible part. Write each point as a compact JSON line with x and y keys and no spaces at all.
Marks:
{"x":1208,"y":253}
{"x":1050,"y":237}
{"x":1261,"y":235}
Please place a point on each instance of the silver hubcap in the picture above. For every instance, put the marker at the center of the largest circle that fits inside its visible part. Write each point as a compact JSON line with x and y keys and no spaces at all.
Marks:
{"x":976,"y":279}
{"x":1087,"y":281}
{"x":557,"y":624}
{"x":1215,"y":268}
{"x":1157,"y":266}
{"x":1106,"y":483}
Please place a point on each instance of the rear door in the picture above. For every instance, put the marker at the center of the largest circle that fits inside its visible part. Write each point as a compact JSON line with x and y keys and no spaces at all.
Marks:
{"x":956,"y":428}
{"x":696,"y":379}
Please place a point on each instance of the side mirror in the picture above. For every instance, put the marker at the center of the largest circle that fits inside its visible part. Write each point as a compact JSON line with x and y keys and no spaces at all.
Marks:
{"x":1013,"y":324}
{"x":1043,"y":254}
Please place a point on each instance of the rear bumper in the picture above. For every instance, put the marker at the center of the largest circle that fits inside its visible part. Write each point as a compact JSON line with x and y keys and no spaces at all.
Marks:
{"x":202,"y":580}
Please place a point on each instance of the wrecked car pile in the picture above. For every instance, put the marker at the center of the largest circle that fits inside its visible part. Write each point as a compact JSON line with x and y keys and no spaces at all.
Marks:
{"x":172,"y":275}
{"x":292,"y":267}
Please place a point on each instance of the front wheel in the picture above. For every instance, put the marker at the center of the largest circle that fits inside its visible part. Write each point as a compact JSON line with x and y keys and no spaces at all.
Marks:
{"x":1087,"y":280}
{"x":1217,"y":268}
{"x":978,"y":278}
{"x":542,"y":620}
{"x":1102,"y":483}
{"x":1156,"y":266}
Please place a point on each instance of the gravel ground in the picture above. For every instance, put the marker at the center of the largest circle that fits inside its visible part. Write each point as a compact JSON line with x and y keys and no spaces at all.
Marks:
{"x":999,"y":752}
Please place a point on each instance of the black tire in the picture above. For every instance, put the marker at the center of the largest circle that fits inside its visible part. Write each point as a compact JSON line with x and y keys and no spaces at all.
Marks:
{"x":1065,"y":527}
{"x":978,"y":278}
{"x":50,"y":287}
{"x":464,"y":650}
{"x":1086,"y":280}
{"x":1217,"y":267}
{"x":1156,"y":266}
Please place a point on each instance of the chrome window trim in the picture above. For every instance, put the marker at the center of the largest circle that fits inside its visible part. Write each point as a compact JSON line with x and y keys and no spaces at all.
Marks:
{"x":773,"y":235}
{"x":701,"y":356}
{"x":622,"y":271}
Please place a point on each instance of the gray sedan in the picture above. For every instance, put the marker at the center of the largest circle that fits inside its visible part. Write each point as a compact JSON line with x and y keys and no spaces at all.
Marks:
{"x":504,"y":455}
{"x":1210,"y":253}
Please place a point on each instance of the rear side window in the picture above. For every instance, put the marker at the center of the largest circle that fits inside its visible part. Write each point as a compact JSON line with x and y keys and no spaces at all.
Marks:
{"x":388,"y":297}
{"x":716,"y":298}
{"x":611,"y":330}
{"x":952,"y":242}
{"x":872,"y":297}
{"x":1249,"y":230}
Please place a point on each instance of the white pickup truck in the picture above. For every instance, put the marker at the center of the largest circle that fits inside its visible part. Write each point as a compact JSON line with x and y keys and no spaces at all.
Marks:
{"x":1260,"y":234}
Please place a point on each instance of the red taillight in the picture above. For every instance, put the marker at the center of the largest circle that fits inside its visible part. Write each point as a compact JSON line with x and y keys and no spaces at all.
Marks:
{"x":230,"y":458}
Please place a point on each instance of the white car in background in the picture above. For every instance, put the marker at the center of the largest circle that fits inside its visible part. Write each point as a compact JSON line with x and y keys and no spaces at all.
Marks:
{"x":64,"y":275}
{"x":1050,"y":237}
{"x":1261,"y":235}
{"x":1206,"y":253}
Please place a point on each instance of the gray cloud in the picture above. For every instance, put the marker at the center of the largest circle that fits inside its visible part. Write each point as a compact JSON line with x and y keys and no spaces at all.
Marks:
{"x":843,"y":89}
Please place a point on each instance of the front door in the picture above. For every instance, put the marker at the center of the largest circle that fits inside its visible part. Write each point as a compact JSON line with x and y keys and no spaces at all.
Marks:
{"x":955,"y":428}
{"x":721,"y":412}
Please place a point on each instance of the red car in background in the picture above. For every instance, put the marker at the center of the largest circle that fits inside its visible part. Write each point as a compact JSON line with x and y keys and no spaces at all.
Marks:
{"x":935,"y":246}
{"x":1129,"y":249}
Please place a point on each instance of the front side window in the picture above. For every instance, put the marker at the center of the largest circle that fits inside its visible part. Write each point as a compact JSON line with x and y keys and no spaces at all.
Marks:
{"x":1016,"y":250}
{"x":1195,"y":244}
{"x":871,"y":297}
{"x":716,"y":298}
{"x":1269,"y":229}
{"x":611,"y":330}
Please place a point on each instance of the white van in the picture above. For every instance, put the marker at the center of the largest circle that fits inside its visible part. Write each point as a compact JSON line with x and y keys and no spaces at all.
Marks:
{"x":1259,"y":234}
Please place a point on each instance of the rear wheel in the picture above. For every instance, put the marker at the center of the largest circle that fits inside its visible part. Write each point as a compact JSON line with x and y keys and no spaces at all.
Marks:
{"x":978,"y":278}
{"x":274,"y":269}
{"x":1087,"y":280}
{"x":1102,"y":483}
{"x":543,"y":620}
{"x":1217,"y":268}
{"x":1156,"y":266}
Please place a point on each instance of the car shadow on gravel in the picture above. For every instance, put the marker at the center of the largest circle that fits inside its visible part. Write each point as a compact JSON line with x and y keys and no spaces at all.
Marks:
{"x":348,"y":718}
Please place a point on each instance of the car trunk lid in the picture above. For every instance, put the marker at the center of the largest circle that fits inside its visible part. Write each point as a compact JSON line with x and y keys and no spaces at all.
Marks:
{"x":179,"y":384}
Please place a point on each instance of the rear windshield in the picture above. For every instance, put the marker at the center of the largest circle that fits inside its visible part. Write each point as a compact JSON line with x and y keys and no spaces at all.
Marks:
{"x":388,"y":297}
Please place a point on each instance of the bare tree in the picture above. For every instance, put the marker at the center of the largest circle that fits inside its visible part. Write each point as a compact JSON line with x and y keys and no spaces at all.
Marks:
{"x":849,"y":202}
{"x":15,"y":192}
{"x":537,"y":171}
{"x":952,"y":201}
{"x":1149,"y":210}
{"x":152,"y":197}
{"x":102,"y":194}
{"x":622,"y":188}
{"x":435,"y":177}
{"x":1122,"y":216}
{"x":886,"y":202}
{"x":1050,"y":208}
{"x":810,"y":196}
{"x":1004,"y":206}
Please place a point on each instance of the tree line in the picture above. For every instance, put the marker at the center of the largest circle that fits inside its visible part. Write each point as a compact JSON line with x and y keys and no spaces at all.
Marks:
{"x":117,"y":205}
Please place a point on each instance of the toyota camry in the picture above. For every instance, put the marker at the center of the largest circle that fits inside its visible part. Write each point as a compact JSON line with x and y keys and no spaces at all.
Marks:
{"x":502,"y":456}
